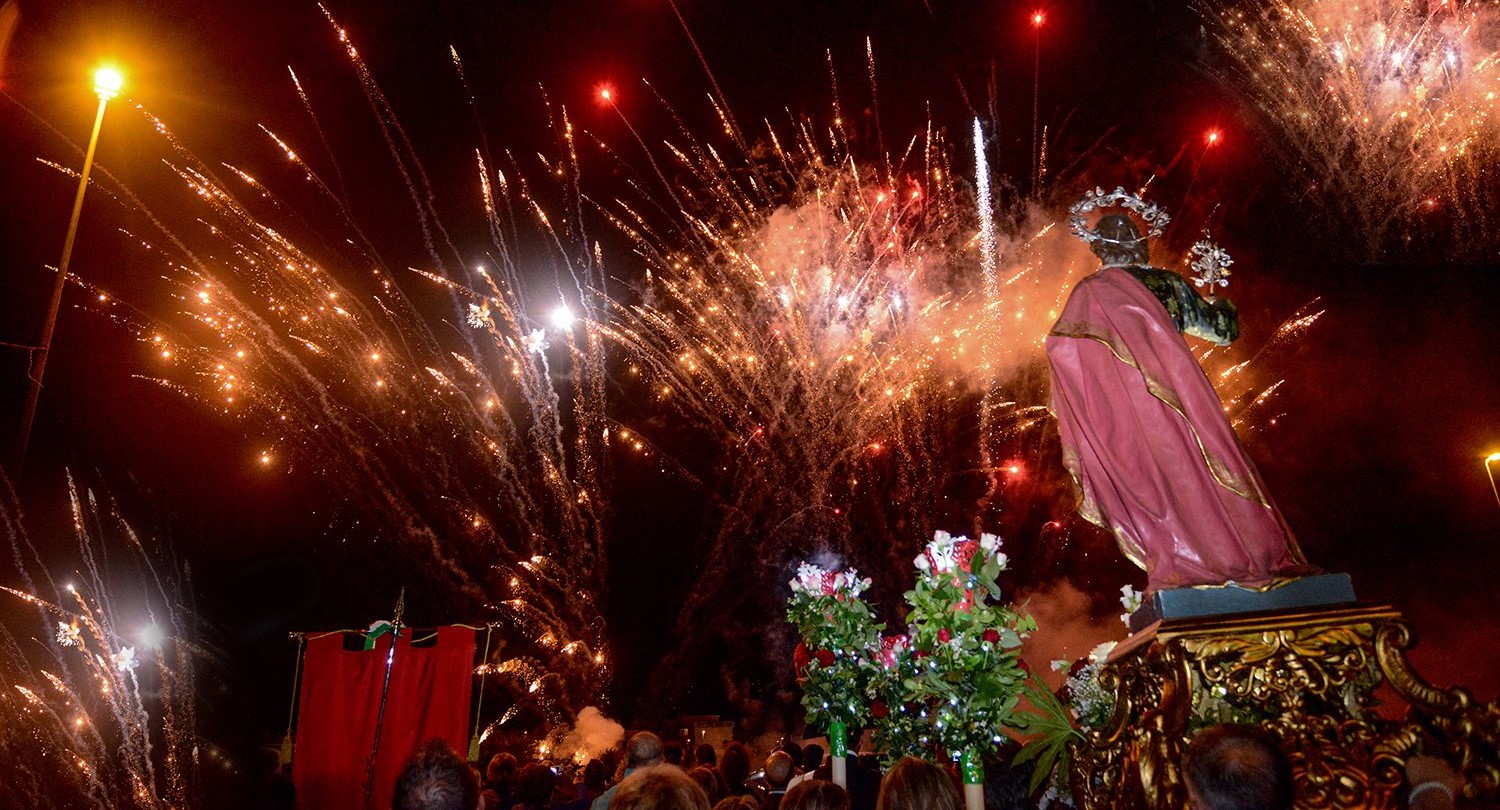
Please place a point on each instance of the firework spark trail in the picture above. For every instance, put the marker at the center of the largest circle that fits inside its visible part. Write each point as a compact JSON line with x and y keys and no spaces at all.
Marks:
{"x":1388,"y":106}
{"x":113,"y":705}
{"x":988,"y":261}
{"x":475,"y":456}
{"x":814,"y":314}
{"x":823,"y":337}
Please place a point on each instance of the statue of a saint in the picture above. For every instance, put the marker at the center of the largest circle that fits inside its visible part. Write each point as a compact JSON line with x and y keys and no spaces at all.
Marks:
{"x":1143,"y":432}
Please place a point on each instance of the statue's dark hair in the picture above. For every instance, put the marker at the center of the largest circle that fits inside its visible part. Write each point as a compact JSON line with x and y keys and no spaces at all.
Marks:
{"x":1118,"y":242}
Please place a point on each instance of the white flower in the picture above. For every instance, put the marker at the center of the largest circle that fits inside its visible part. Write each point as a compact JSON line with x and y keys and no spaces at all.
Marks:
{"x":1059,"y":665}
{"x":851,"y":582}
{"x":922,"y":564}
{"x":942,"y":558}
{"x":989,"y":542}
{"x":942,"y":551}
{"x":1130,"y":599}
{"x":1101,"y":652}
{"x":124,"y":660}
{"x":1003,"y":560}
{"x":809,"y":579}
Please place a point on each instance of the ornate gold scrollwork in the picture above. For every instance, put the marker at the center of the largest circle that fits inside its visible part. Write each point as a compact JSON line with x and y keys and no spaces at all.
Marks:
{"x":1469,"y":731}
{"x":1282,"y":664}
{"x":1307,"y":677}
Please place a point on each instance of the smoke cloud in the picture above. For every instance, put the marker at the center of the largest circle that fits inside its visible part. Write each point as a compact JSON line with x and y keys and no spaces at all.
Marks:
{"x":592,"y":734}
{"x":1068,"y":627}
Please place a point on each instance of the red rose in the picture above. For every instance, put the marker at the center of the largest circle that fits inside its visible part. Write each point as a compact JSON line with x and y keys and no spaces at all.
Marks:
{"x":891,"y":648}
{"x":1078,"y":666}
{"x":992,"y":636}
{"x":825,"y":658}
{"x":1025,"y":667}
{"x":800,"y":660}
{"x":879,"y":710}
{"x":944,"y":636}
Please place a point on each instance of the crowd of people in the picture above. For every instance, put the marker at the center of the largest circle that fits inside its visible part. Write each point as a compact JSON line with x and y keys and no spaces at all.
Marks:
{"x":1224,"y":767}
{"x":653,"y":776}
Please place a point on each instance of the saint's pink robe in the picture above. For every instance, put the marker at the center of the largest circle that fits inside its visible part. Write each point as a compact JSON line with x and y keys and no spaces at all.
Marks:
{"x":1149,"y":446}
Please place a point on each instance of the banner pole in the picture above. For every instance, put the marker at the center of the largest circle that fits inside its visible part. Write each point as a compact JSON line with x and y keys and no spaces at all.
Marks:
{"x":385,"y":691}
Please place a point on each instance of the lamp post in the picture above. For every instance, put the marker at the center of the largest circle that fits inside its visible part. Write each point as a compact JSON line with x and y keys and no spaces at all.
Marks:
{"x":1488,"y":460}
{"x":1037,"y":18}
{"x":107,"y":83}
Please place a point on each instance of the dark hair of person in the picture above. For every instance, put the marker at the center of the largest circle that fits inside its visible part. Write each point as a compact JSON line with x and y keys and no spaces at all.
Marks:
{"x":502,"y":768}
{"x":705,"y":754}
{"x":815,"y":794}
{"x":735,"y":766}
{"x":436,"y":778}
{"x":916,"y":784}
{"x":534,"y":786}
{"x":595,"y":775}
{"x":708,"y":779}
{"x":812,"y":757}
{"x":1236,"y":767}
{"x":660,"y":787}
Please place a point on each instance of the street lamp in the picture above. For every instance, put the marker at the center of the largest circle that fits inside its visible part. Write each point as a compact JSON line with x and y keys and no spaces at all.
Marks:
{"x":1488,"y":460}
{"x":107,"y":83}
{"x":1037,"y":18}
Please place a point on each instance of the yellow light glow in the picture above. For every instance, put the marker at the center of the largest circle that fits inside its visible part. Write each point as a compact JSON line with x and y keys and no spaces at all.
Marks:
{"x":107,"y":83}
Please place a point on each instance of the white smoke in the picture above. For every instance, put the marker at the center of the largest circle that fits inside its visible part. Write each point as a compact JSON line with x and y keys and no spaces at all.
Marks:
{"x":592,"y":734}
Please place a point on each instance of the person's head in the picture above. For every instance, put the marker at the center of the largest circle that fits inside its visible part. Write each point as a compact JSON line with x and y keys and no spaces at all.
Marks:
{"x":534,"y":785}
{"x":436,"y":778}
{"x":643,"y":750}
{"x":737,"y":803}
{"x":812,"y":757}
{"x":1119,"y":242}
{"x":672,"y":754}
{"x":708,"y":780}
{"x":594,"y":775}
{"x":916,"y":784}
{"x":815,"y":794}
{"x":1232,"y":767}
{"x":779,"y":769}
{"x":792,"y":750}
{"x":501,"y":769}
{"x":659,"y":787}
{"x":735,"y":765}
{"x":705,"y":754}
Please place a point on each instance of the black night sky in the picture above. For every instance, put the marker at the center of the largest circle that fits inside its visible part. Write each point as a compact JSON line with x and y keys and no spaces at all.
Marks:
{"x":1391,"y":401}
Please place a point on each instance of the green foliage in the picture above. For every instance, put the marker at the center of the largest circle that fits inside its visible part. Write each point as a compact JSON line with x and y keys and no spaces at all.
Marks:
{"x":839,"y":636}
{"x":1052,"y":723}
{"x":955,"y":683}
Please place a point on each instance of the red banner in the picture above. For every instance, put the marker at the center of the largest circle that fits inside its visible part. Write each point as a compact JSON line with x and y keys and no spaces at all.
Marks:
{"x":428,"y":697}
